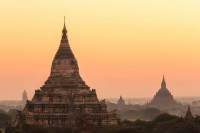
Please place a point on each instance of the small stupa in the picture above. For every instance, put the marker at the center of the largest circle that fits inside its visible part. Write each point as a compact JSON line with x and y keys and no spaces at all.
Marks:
{"x":121,"y":103}
{"x":188,"y":113}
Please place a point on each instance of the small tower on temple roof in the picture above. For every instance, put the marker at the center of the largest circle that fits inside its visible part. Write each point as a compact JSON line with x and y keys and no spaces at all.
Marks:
{"x":188,"y":114}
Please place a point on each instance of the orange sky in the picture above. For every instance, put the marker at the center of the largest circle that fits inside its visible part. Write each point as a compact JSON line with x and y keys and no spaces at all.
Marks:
{"x":123,"y":47}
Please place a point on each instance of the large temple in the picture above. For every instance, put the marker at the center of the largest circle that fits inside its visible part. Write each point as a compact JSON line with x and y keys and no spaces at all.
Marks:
{"x":163,"y":98}
{"x":65,"y":100}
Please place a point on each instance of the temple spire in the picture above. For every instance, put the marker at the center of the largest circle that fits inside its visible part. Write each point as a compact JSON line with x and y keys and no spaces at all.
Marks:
{"x":163,"y":79}
{"x":64,"y":40}
{"x":64,"y":31}
{"x":163,"y":84}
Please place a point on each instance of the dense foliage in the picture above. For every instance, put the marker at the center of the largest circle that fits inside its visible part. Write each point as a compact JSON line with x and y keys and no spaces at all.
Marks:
{"x":17,"y":131}
{"x":27,"y":128}
{"x":7,"y":116}
{"x":2,"y":111}
{"x":3,"y":119}
{"x":164,"y":123}
{"x":12,"y":113}
{"x":165,"y":117}
{"x":145,"y":114}
{"x":137,"y":111}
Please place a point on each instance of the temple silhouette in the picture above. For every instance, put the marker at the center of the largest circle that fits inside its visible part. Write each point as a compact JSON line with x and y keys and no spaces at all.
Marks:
{"x":65,"y":100}
{"x":188,"y":113}
{"x":121,"y":103}
{"x":163,"y":98}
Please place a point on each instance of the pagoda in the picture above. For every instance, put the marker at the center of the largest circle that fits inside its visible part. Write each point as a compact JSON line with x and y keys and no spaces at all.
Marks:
{"x":65,"y":100}
{"x":163,"y":98}
{"x":24,"y":97}
{"x":188,"y":113}
{"x":121,"y":103}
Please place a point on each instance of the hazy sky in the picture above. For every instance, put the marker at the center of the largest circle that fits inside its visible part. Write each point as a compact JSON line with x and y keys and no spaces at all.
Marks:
{"x":123,"y":47}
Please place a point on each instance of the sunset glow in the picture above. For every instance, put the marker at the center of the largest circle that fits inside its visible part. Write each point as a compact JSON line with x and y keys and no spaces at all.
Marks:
{"x":123,"y":47}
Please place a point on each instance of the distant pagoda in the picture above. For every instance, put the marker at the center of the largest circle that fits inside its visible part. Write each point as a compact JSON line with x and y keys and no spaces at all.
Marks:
{"x":65,"y":100}
{"x":163,"y":98}
{"x":121,"y":103}
{"x":188,"y":113}
{"x":24,"y":97}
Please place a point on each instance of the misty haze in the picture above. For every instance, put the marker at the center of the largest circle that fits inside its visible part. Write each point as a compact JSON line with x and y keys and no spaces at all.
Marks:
{"x":99,"y":66}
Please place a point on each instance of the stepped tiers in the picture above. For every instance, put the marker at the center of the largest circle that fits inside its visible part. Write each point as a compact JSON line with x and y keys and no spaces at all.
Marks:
{"x":65,"y":100}
{"x":163,"y":98}
{"x":188,"y":113}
